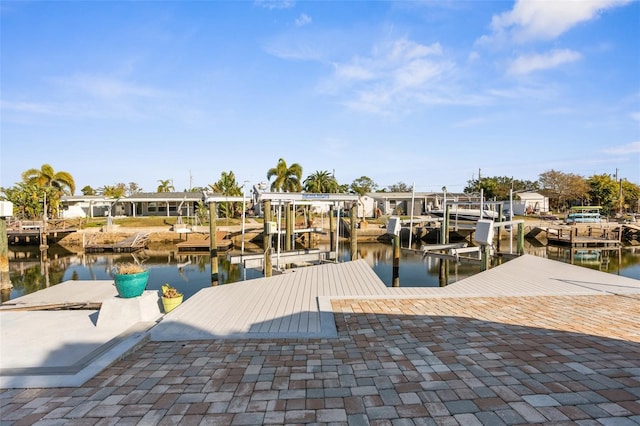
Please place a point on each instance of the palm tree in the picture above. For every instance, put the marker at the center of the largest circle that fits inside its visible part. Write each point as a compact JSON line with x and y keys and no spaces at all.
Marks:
{"x":88,"y":190}
{"x":55,"y":185}
{"x":287,"y":179}
{"x":227,"y":185}
{"x":321,"y":182}
{"x":112,"y":191}
{"x":166,"y":186}
{"x":133,"y":188}
{"x":47,"y":177}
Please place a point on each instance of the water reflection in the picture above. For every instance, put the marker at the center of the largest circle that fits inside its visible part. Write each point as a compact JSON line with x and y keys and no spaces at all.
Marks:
{"x":29,"y":271}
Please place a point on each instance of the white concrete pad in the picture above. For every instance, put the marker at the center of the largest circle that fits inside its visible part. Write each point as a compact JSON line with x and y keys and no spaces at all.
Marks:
{"x":71,"y":351}
{"x":121,"y":313}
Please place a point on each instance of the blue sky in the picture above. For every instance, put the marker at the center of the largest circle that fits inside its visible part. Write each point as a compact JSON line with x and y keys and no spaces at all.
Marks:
{"x":421,"y":92}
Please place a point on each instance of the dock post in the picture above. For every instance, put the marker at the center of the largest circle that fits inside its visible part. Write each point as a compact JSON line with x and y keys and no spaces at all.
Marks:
{"x":520,"y":239}
{"x":332,"y":230}
{"x":213,"y":244}
{"x":500,"y":207}
{"x":447,"y":219}
{"x":486,"y":258}
{"x":266,"y":239}
{"x":5,"y":278}
{"x":443,"y":272}
{"x":288,"y":219}
{"x":396,"y":261}
{"x":353,"y":237}
{"x":444,"y":227}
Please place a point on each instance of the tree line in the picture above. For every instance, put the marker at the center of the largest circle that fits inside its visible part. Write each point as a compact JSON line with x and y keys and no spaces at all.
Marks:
{"x":563,"y":189}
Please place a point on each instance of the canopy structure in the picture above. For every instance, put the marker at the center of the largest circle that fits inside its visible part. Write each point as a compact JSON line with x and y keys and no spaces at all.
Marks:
{"x":212,"y":197}
{"x":306,"y":197}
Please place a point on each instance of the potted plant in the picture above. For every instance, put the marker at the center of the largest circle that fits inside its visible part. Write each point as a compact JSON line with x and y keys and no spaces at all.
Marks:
{"x":130,"y":279}
{"x":171,"y":297}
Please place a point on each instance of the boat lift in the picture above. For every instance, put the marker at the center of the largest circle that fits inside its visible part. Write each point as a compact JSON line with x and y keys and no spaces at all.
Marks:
{"x":289,"y":201}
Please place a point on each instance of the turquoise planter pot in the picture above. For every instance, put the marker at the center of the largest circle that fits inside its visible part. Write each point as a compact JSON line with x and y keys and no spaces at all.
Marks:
{"x":131,"y":285}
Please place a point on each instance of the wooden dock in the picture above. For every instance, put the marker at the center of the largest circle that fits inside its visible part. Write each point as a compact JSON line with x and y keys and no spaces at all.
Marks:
{"x":136,"y":242}
{"x":583,"y":235}
{"x":203,"y":245}
{"x":223,"y":243}
{"x":294,"y":257}
{"x":34,"y":232}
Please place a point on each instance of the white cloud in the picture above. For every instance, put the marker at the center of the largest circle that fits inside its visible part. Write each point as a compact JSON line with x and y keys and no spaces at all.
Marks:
{"x":275,"y":4}
{"x":303,"y":20}
{"x":28,"y":107}
{"x":471,"y":122}
{"x":353,"y":71}
{"x":635,"y":116}
{"x":83,"y":95}
{"x":291,"y":48}
{"x":404,"y":50}
{"x":630,"y":148}
{"x":107,"y":87}
{"x":536,"y":62}
{"x":531,"y":20}
{"x":395,"y":72}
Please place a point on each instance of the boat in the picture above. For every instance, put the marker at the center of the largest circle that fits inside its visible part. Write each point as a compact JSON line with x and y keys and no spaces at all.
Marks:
{"x":467,"y":213}
{"x":584,"y":214}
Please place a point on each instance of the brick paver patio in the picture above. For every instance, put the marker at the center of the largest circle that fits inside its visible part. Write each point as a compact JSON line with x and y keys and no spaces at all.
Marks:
{"x":511,"y":360}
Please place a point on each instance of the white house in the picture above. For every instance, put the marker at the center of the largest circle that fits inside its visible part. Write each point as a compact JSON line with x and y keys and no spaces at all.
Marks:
{"x":80,"y":206}
{"x":526,"y":203}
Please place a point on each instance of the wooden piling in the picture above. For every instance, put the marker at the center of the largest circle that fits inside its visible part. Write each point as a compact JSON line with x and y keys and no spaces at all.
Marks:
{"x":486,"y":257}
{"x":353,"y":237}
{"x":396,"y":262}
{"x":520,"y":247}
{"x":288,"y":226}
{"x":443,"y":272}
{"x":446,"y":222}
{"x":332,"y":229}
{"x":267,"y":239}
{"x":213,"y":246}
{"x":500,"y":215}
{"x":5,"y":279}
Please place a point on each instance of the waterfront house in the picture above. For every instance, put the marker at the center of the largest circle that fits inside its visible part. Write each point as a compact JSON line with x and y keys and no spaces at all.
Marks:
{"x":141,"y":204}
{"x":81,"y":206}
{"x":527,"y":203}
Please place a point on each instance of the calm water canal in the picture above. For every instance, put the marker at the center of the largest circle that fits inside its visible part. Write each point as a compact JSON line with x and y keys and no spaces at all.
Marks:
{"x":191,"y":272}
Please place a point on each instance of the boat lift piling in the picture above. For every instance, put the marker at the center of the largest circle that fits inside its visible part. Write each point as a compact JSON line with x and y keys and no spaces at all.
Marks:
{"x":6,"y":211}
{"x":212,"y":200}
{"x":396,"y":261}
{"x":352,"y":236}
{"x":266,"y":239}
{"x":213,"y":247}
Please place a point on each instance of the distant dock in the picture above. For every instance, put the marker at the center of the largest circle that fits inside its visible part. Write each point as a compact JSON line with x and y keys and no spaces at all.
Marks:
{"x":223,"y":243}
{"x":35,"y":232}
{"x":131,"y":244}
{"x":591,"y":235}
{"x":203,"y":245}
